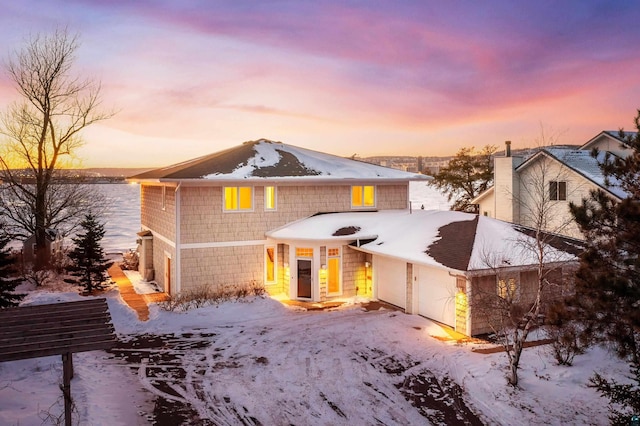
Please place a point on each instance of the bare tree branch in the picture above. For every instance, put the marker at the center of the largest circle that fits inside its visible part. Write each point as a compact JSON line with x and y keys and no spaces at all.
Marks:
{"x":39,"y":130}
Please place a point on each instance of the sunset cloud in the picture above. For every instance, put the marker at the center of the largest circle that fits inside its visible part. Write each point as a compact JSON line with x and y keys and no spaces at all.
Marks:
{"x":409,"y":77}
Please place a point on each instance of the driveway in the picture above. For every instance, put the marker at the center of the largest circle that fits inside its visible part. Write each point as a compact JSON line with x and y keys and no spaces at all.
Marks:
{"x":341,"y":367}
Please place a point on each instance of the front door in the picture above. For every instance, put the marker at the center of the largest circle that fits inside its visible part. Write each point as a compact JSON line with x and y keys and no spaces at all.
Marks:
{"x":304,"y":278}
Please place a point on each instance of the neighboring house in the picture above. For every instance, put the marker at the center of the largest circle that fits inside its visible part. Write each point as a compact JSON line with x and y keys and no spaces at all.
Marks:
{"x":205,"y":221}
{"x":431,"y":263}
{"x":544,"y":184}
{"x":53,"y":241}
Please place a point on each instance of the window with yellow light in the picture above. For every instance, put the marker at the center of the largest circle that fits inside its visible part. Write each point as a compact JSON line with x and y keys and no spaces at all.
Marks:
{"x":238,"y":198}
{"x":269,"y":197}
{"x":270,"y":256}
{"x":363,"y":196}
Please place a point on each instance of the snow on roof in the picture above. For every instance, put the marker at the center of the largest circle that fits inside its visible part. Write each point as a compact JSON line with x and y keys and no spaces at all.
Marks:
{"x":588,"y":166}
{"x":428,"y":237}
{"x":616,"y":134}
{"x":275,"y":160}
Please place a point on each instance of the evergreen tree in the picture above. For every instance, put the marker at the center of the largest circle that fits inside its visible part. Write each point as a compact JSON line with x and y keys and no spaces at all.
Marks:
{"x":608,"y":280}
{"x":8,"y":282}
{"x":89,"y":263}
{"x":467,"y":175}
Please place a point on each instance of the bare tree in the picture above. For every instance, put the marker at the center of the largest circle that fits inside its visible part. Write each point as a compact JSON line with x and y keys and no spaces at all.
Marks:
{"x":514,"y":300}
{"x":517,"y":303}
{"x":41,"y":131}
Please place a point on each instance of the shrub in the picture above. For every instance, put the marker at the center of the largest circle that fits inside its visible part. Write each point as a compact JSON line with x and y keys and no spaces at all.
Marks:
{"x":206,"y":295}
{"x":568,"y":342}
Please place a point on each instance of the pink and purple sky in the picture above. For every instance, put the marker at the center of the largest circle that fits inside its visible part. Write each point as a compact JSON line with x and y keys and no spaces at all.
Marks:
{"x":368,"y":77}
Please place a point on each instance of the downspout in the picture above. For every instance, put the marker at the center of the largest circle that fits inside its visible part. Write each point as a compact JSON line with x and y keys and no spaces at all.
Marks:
{"x":177,"y":219}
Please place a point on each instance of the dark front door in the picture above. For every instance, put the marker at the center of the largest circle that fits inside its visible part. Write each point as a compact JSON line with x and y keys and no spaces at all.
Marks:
{"x":304,"y":278}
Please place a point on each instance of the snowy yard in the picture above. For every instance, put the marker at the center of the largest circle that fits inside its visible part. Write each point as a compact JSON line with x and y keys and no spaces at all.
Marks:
{"x":259,"y":362}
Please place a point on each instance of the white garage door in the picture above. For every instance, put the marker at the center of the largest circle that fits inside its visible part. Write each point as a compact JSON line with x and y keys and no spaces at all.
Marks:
{"x":391,"y":278}
{"x":436,"y":295}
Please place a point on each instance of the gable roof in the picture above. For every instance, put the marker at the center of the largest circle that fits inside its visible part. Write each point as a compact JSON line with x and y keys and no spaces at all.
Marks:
{"x":581,"y":162}
{"x":265,"y":159}
{"x":612,"y":134}
{"x":445,"y":239}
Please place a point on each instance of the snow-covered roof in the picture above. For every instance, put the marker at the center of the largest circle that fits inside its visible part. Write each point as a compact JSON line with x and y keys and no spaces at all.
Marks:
{"x":614,"y":135}
{"x":265,"y":159}
{"x":581,"y":161}
{"x":446,"y":239}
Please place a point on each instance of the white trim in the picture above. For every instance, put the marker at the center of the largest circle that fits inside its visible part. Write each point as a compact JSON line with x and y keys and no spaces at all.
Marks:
{"x":223,"y":244}
{"x":160,"y":236}
{"x":178,"y":280}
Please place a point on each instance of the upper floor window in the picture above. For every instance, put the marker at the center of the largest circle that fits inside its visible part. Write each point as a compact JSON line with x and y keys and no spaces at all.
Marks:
{"x":557,"y":190}
{"x":238,"y":198}
{"x":363,"y":196}
{"x":269,"y":197}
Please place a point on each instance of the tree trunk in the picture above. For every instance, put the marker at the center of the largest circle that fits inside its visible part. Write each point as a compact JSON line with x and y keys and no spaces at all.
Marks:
{"x":41,"y":253}
{"x":515,"y":361}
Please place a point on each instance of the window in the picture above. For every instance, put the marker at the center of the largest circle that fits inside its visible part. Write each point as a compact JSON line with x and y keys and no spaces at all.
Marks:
{"x":270,"y":263}
{"x":164,"y":198}
{"x":304,"y":252}
{"x":238,"y":198}
{"x":333,"y":270}
{"x":269,"y":197}
{"x":557,"y":190}
{"x":507,"y":288}
{"x":363,"y":196}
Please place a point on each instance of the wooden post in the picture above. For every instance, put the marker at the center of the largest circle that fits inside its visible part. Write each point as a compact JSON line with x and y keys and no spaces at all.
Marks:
{"x":67,"y":374}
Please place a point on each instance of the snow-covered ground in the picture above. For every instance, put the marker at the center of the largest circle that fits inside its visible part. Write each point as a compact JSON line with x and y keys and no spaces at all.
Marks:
{"x":257,"y":361}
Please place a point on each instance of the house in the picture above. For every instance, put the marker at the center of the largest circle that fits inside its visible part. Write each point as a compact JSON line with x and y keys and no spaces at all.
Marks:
{"x":432,"y":263}
{"x":205,"y":221}
{"x":537,"y":190}
{"x":53,"y":244}
{"x":313,"y":226}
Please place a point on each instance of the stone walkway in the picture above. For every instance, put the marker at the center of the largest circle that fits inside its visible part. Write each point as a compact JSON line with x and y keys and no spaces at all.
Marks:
{"x":137,"y":302}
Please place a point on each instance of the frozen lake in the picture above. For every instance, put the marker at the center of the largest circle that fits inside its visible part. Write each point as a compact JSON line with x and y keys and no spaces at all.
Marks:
{"x":122,"y":219}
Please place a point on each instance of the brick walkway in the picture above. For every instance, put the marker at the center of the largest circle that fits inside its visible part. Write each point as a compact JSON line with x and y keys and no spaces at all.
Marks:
{"x":137,"y":302}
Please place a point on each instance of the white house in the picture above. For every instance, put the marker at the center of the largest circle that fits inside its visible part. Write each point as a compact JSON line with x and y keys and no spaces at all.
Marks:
{"x":538,"y":189}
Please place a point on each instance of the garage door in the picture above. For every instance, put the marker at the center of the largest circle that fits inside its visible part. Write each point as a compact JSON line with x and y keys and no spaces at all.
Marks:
{"x":391,"y":279}
{"x":436,"y":295}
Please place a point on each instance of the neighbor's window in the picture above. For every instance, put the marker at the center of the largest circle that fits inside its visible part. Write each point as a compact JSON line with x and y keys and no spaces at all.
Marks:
{"x":269,"y":197}
{"x":507,"y":288}
{"x":270,"y":256}
{"x":238,"y":198}
{"x":363,"y":196}
{"x":557,"y":190}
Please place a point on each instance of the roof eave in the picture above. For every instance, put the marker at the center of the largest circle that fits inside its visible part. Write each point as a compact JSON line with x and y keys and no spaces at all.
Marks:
{"x":285,"y":181}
